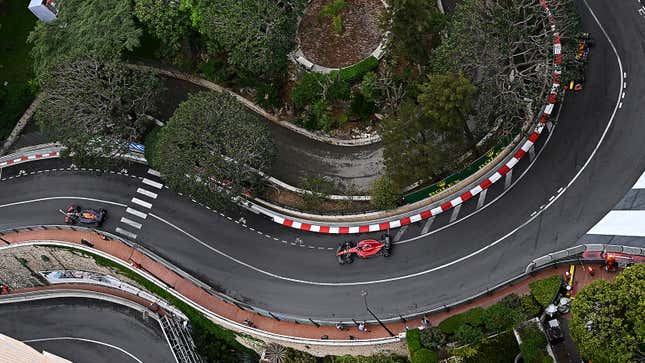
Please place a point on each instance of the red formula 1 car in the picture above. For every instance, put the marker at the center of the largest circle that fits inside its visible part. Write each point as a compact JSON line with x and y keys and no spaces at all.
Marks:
{"x":363,"y":249}
{"x":75,"y":214}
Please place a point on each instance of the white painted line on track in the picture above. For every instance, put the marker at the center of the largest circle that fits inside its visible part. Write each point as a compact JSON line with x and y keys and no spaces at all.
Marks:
{"x":126,"y":233}
{"x":152,"y":183}
{"x":455,"y":213}
{"x":136,"y":213}
{"x":58,"y":198}
{"x":621,"y":223}
{"x":482,"y":198}
{"x":531,"y":153}
{"x":400,"y":233}
{"x":147,"y":193}
{"x":154,"y":172}
{"x":142,"y":203}
{"x":87,"y":341}
{"x":132,"y":223}
{"x":640,"y":183}
{"x":428,"y":224}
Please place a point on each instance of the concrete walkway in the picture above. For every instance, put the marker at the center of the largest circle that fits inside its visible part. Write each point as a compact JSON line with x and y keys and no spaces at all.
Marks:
{"x":189,"y":290}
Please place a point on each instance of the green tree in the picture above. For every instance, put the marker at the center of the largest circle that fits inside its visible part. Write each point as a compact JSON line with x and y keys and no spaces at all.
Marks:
{"x":414,"y":149}
{"x":96,"y":109}
{"x":212,"y":148}
{"x":448,"y":100}
{"x":432,"y":338}
{"x":256,"y":35}
{"x":501,"y":317}
{"x":385,"y":193}
{"x":317,"y":188}
{"x":414,"y":27}
{"x":533,"y":345}
{"x":166,"y":20}
{"x":84,"y":28}
{"x":607,"y":319}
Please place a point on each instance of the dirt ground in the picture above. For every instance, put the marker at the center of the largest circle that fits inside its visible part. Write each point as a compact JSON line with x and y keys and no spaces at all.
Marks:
{"x":361,"y":35}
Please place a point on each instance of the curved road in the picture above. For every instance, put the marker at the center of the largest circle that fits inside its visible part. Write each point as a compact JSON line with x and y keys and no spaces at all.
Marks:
{"x":86,"y":330}
{"x":592,"y":158}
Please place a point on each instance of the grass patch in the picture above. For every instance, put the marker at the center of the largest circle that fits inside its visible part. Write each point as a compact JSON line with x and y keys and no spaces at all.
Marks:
{"x":16,"y":21}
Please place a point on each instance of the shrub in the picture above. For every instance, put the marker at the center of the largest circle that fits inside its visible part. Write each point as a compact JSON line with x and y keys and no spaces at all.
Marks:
{"x":413,"y":338}
{"x":472,"y":317}
{"x":358,"y":70}
{"x":467,"y":334}
{"x":425,"y":356}
{"x":432,"y":338}
{"x":337,"y":24}
{"x":533,"y":345}
{"x":267,"y":96}
{"x":151,"y":141}
{"x":545,"y":290}
{"x":361,"y":107}
{"x":385,"y":193}
{"x":306,"y":90}
{"x":500,"y":317}
{"x":338,"y":90}
{"x":529,"y":307}
{"x":318,"y":188}
{"x":369,"y":86}
{"x":512,"y":301}
{"x":499,"y":349}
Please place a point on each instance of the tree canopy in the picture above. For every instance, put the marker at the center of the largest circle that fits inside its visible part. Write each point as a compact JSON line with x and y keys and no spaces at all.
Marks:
{"x":96,"y":109}
{"x":167,"y":20}
{"x":212,"y":148}
{"x":85,"y":28}
{"x":256,"y":35}
{"x":608,"y":320}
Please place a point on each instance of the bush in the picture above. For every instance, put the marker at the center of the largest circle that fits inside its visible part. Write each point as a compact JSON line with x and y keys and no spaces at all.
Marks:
{"x":529,"y":307}
{"x":385,"y":193}
{"x":151,"y":141}
{"x":307,"y":90}
{"x":500,"y":317}
{"x":361,"y":107}
{"x":432,"y":338}
{"x":499,"y":349}
{"x":369,"y":86}
{"x":533,"y":345}
{"x":472,"y":317}
{"x":358,"y":70}
{"x":545,"y":290}
{"x":425,"y":356}
{"x":467,"y":334}
{"x":413,"y":338}
{"x":318,"y":188}
{"x":267,"y":96}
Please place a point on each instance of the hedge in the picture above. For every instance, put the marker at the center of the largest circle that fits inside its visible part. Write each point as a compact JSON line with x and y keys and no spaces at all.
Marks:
{"x":533,"y":345}
{"x":425,"y":356}
{"x":413,"y":338}
{"x":358,"y":70}
{"x":500,"y":349}
{"x":472,"y":317}
{"x":545,"y":290}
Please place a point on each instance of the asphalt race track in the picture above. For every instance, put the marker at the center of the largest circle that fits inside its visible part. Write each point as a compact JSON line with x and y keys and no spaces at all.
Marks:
{"x":86,"y":330}
{"x":593,"y":156}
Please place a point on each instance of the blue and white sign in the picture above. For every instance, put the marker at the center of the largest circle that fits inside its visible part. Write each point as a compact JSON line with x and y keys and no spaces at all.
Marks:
{"x":138,"y":148}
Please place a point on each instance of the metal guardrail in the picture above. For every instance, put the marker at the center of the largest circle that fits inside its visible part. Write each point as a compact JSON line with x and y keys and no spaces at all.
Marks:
{"x":569,"y":255}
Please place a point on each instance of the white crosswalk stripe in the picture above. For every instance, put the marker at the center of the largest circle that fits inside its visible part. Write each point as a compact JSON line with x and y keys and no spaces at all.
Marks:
{"x":455,"y":213}
{"x":136,"y":213}
{"x":132,"y":223}
{"x":399,"y":233}
{"x":154,"y":172}
{"x":509,"y":179}
{"x":531,"y":153}
{"x":482,"y":198}
{"x":426,"y":227}
{"x":142,"y":203}
{"x":125,"y":233}
{"x":152,"y":183}
{"x":147,"y":193}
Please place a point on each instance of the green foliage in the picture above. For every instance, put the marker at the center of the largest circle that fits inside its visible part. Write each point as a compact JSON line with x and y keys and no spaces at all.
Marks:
{"x":307,"y":90}
{"x":212,"y":147}
{"x":255,"y":35}
{"x":499,"y":349}
{"x":500,"y":317}
{"x":425,"y":356}
{"x":385,"y":193}
{"x":337,"y":24}
{"x":358,"y":70}
{"x":369,"y":86}
{"x":529,"y":306}
{"x":96,"y":109}
{"x":413,"y":338}
{"x":447,"y":99}
{"x":432,"y":338}
{"x":607,"y":320}
{"x":166,"y":20}
{"x":151,"y":143}
{"x":14,"y":100}
{"x":361,"y":107}
{"x":467,"y":334}
{"x":332,"y":9}
{"x":317,"y":189}
{"x":267,"y":95}
{"x":415,"y":27}
{"x":84,"y":28}
{"x":533,"y":345}
{"x":545,"y":290}
{"x":472,"y":317}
